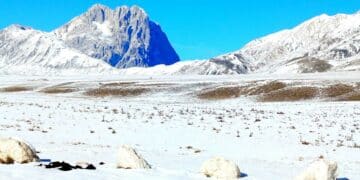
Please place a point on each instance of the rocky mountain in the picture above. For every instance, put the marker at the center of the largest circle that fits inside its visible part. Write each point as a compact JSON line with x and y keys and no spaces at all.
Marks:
{"x":24,"y":50}
{"x":324,"y":43}
{"x":124,"y":37}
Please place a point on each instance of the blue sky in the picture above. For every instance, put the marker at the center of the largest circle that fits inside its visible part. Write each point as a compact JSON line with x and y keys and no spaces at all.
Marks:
{"x":197,"y":29}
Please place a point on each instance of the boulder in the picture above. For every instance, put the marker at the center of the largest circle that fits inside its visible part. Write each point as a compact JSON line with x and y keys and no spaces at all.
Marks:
{"x":220,"y":168}
{"x":320,"y":170}
{"x":128,"y":158}
{"x":16,"y":151}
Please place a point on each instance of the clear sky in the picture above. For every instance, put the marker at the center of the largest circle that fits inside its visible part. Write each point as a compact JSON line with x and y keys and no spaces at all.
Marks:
{"x":198,"y":29}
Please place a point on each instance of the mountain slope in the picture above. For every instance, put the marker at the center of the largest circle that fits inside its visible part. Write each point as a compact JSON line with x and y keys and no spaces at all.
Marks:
{"x":324,"y":43}
{"x":27,"y":51}
{"x":196,"y":67}
{"x":124,"y":37}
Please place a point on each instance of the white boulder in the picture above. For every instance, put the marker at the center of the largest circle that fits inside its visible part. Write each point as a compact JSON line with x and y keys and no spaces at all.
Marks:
{"x":16,"y":151}
{"x":220,"y":168}
{"x":128,"y":158}
{"x":320,"y":170}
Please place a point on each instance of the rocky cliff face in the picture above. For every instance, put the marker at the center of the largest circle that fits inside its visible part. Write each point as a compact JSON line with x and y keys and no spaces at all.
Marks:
{"x":124,"y":37}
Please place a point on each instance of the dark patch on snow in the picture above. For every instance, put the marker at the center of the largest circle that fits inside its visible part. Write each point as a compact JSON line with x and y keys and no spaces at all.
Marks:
{"x":64,"y":166}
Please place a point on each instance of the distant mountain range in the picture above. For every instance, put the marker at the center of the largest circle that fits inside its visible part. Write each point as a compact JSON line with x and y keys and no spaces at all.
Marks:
{"x":103,"y":40}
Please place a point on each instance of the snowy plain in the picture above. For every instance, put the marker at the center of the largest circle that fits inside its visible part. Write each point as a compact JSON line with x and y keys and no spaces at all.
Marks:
{"x":174,"y":130}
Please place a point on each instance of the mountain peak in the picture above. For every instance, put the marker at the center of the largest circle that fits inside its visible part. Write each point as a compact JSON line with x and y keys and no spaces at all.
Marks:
{"x":124,"y":37}
{"x":18,"y":27}
{"x":98,"y":13}
{"x":97,"y":7}
{"x":137,"y":9}
{"x":133,"y":9}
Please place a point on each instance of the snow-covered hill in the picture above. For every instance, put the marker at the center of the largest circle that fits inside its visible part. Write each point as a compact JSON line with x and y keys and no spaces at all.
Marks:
{"x":324,"y":43}
{"x":213,"y":66}
{"x":27,"y":51}
{"x":124,"y":37}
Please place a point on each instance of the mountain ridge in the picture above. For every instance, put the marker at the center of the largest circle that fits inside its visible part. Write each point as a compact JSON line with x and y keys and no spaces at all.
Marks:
{"x":320,"y":44}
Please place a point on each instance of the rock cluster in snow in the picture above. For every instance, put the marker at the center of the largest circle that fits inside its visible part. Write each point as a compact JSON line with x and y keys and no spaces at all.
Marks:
{"x":220,"y":168}
{"x":320,"y":170}
{"x":16,"y":151}
{"x":129,"y":158}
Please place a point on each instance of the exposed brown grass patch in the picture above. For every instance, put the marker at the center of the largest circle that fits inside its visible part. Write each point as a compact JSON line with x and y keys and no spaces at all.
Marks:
{"x":290,"y":94}
{"x":16,"y":89}
{"x":237,"y":91}
{"x":124,"y":92}
{"x":266,"y":88}
{"x":220,"y":93}
{"x":279,"y":91}
{"x":354,"y":96}
{"x":58,"y":90}
{"x":337,"y":90}
{"x":115,"y":84}
{"x":62,"y":88}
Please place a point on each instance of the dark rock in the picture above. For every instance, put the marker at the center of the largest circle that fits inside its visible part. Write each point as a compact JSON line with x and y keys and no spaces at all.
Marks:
{"x":90,"y":167}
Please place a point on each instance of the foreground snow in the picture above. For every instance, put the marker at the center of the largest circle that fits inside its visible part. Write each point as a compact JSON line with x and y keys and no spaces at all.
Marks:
{"x":176,"y":132}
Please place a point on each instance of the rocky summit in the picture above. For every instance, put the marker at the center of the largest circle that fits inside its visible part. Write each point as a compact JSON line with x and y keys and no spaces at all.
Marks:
{"x":124,"y":37}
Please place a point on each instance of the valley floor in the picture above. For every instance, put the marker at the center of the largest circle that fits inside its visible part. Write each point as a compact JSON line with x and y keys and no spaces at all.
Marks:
{"x":174,"y":130}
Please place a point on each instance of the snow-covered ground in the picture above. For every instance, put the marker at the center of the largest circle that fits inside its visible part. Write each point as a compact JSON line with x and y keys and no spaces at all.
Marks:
{"x":175,"y":131}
